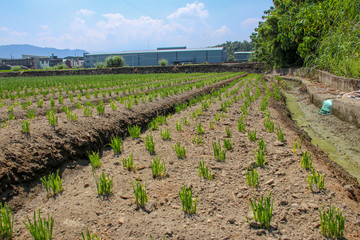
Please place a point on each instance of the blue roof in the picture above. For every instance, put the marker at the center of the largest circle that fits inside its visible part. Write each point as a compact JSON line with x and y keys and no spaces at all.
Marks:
{"x":157,"y":51}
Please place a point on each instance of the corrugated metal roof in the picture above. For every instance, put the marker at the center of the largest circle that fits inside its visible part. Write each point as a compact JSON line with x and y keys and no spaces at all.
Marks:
{"x":157,"y":51}
{"x":244,"y":52}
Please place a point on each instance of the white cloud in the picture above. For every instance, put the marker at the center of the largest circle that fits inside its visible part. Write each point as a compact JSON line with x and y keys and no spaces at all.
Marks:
{"x":46,"y":30}
{"x":85,"y":12}
{"x":12,"y":32}
{"x":185,"y":26}
{"x":190,"y":10}
{"x":223,"y":31}
{"x":250,"y":23}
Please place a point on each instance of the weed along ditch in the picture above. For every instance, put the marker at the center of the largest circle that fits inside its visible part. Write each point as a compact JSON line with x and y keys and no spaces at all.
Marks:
{"x":168,"y":156}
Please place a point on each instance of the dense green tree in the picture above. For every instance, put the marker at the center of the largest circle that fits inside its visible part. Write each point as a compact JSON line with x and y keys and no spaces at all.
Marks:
{"x":115,"y":61}
{"x":315,"y":33}
{"x":231,"y":47}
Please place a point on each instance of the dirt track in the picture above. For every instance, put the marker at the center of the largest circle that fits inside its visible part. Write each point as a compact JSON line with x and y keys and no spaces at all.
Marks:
{"x":223,"y":203}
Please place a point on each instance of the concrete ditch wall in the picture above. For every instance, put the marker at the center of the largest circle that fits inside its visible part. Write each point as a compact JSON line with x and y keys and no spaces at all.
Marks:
{"x":225,"y":67}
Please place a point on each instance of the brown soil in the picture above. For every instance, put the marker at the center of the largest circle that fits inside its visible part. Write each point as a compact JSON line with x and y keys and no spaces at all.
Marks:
{"x":223,"y":203}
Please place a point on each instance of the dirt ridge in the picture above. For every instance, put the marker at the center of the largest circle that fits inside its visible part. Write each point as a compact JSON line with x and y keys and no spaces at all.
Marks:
{"x":27,"y":158}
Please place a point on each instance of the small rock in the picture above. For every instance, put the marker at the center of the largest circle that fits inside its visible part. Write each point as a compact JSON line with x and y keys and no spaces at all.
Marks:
{"x":169,"y":232}
{"x":121,"y":221}
{"x":313,"y":205}
{"x":254,"y":225}
{"x":284,"y":202}
{"x":261,"y":232}
{"x":86,"y":185}
{"x":278,"y":143}
{"x":232,"y":220}
{"x":117,"y":163}
{"x":271,"y":181}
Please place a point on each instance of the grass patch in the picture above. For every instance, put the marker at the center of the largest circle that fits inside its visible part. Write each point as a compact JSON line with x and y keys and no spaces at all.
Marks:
{"x":262,"y":210}
{"x":188,"y":203}
{"x":52,"y":184}
{"x":40,"y":229}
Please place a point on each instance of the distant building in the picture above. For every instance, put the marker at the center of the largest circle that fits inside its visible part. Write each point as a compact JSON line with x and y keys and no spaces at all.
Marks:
{"x":174,"y":56}
{"x":242,"y":56}
{"x":51,"y":61}
{"x":74,"y":62}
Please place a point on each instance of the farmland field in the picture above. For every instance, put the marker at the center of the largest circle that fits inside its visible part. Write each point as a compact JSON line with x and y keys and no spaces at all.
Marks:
{"x":210,"y":132}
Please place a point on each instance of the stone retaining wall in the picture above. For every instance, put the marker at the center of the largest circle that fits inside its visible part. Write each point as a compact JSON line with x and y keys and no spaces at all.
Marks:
{"x":225,"y":67}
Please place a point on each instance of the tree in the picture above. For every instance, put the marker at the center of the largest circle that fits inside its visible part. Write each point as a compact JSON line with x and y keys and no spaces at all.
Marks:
{"x":115,"y":61}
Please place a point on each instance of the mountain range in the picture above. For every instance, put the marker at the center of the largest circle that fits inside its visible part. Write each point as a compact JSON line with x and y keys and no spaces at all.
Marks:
{"x":17,"y":50}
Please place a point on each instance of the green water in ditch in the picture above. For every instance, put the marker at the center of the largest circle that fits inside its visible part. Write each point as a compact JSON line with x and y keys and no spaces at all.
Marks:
{"x":339,"y":147}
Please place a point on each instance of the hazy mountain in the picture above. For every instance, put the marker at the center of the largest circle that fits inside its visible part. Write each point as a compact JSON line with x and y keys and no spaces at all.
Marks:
{"x":16,"y":50}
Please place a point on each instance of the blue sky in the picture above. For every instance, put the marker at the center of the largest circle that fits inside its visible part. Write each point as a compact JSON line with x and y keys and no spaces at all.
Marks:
{"x":119,"y":25}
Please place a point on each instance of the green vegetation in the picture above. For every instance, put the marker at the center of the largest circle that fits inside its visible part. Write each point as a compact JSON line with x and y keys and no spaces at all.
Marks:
{"x":252,"y":178}
{"x":232,"y":47}
{"x":199,"y":128}
{"x":219,"y":154}
{"x":117,"y":144}
{"x":188,"y":203}
{"x":197,"y":139}
{"x":332,"y":222}
{"x":262,"y":210}
{"x":149,"y":143}
{"x":227,"y":144}
{"x":180,"y":150}
{"x":141,"y":196}
{"x":128,"y":163}
{"x":204,"y":170}
{"x":158,"y":168}
{"x":316,"y":34}
{"x":89,"y":236}
{"x":114,"y":61}
{"x":280,"y":134}
{"x":6,"y":222}
{"x":134,"y":131}
{"x":40,"y":229}
{"x":104,"y":184}
{"x":252,"y":135}
{"x":165,"y":135}
{"x":306,"y":161}
{"x":95,"y":160}
{"x":163,"y":62}
{"x":52,"y":184}
{"x":241,"y":124}
{"x":316,"y":178}
{"x":25,"y":126}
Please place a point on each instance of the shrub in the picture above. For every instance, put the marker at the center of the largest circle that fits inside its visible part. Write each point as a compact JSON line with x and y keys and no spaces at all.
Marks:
{"x":115,"y":61}
{"x":41,"y":228}
{"x":100,"y":65}
{"x":163,"y":62}
{"x":16,"y":68}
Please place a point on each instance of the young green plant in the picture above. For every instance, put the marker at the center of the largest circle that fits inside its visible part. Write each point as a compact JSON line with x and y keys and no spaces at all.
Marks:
{"x":158,"y":168}
{"x":117,"y":144}
{"x":180,"y":150}
{"x":128,"y":163}
{"x":332,"y":222}
{"x":188,"y":203}
{"x":141,"y":196}
{"x":204,"y":170}
{"x":40,"y":228}
{"x":95,"y":160}
{"x":52,"y":184}
{"x":6,"y":222}
{"x":262,"y":210}
{"x":104,"y":184}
